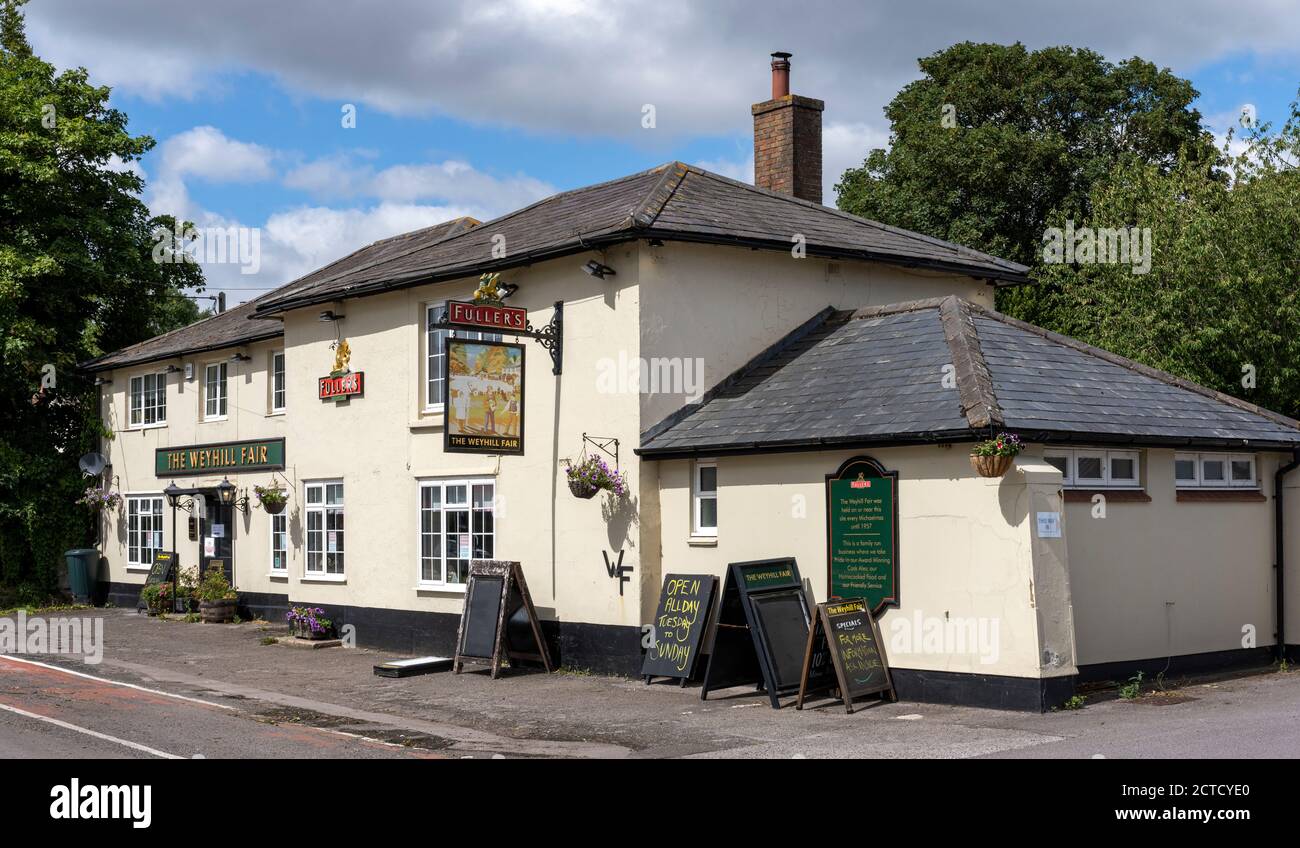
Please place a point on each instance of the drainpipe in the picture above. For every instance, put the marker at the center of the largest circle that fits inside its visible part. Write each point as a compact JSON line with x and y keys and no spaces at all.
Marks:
{"x":1280,"y":564}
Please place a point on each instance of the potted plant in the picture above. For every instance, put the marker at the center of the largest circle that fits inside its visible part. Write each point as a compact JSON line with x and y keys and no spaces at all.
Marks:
{"x":157,"y":598}
{"x":309,"y":623}
{"x":217,"y":600}
{"x":591,"y":475}
{"x":993,"y":457}
{"x":272,"y":498}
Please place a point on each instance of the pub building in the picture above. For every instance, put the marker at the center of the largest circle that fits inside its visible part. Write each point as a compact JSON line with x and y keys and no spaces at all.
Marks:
{"x":759,"y":401}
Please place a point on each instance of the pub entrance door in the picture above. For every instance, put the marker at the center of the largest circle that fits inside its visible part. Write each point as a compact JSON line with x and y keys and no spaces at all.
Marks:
{"x":216,"y":538}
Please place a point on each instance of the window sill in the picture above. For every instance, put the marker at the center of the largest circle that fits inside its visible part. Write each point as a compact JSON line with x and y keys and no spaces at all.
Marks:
{"x":138,"y":569}
{"x":1111,"y":495}
{"x":278,"y":575}
{"x":215,"y":420}
{"x":1221,"y":495}
{"x":147,"y":426}
{"x":426,"y":423}
{"x":275,"y":413}
{"x":448,"y":588}
{"x":324,"y":578}
{"x":702,"y":541}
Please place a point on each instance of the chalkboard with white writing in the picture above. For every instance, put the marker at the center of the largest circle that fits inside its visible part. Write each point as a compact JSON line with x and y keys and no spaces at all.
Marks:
{"x":677,"y":632}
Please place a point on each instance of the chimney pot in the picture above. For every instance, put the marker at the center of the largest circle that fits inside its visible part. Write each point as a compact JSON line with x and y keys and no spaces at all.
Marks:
{"x":780,"y":75}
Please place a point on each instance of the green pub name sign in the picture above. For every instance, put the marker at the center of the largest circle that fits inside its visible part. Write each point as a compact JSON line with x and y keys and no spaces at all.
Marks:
{"x":226,"y":457}
{"x":862,"y":533}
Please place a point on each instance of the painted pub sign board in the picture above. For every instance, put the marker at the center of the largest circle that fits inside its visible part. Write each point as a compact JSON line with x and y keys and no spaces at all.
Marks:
{"x":484,"y":411}
{"x":862,"y":533}
{"x":227,"y":457}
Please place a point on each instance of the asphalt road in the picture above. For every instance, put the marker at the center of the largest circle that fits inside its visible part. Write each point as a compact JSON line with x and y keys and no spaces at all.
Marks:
{"x":55,"y":713}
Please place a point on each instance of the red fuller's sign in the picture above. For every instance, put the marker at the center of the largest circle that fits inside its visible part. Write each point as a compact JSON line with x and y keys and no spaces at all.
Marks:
{"x":506,"y":318}
{"x":341,"y":386}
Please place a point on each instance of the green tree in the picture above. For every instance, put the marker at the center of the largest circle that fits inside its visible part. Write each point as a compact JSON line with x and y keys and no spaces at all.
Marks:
{"x":995,"y":138}
{"x":1221,"y":302}
{"x":77,"y":278}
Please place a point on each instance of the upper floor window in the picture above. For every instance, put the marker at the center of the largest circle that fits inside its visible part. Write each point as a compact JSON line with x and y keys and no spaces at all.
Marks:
{"x":1086,"y":468}
{"x":435,"y":387}
{"x":277,"y":381}
{"x":149,"y":400}
{"x":1215,"y":471}
{"x":704,"y":488}
{"x":214,"y":391}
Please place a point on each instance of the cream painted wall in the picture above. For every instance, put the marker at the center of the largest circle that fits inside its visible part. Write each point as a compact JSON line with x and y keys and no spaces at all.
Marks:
{"x":968,"y":552}
{"x":384,"y":444}
{"x":131,"y":454}
{"x":1172,"y":578}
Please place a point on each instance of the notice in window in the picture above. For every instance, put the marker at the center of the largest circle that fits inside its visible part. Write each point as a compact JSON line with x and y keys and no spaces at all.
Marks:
{"x":209,"y":546}
{"x":332,"y":542}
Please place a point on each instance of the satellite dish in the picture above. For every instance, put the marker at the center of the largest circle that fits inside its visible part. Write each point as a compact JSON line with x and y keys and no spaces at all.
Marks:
{"x":92,"y":464}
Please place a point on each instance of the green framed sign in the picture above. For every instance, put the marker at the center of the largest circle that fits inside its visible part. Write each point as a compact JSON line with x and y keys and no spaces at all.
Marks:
{"x":862,"y":533}
{"x":224,"y":457}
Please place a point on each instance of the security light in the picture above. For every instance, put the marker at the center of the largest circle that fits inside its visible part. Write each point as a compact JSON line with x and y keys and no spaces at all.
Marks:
{"x":328,"y":315}
{"x":172,"y":369}
{"x":598,"y":269}
{"x":240,"y":357}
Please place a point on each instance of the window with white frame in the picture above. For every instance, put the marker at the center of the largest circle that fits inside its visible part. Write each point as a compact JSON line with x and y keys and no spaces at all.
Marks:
{"x":277,"y":381}
{"x":457,"y":524}
{"x":214,"y":391}
{"x":149,"y":400}
{"x":1215,"y":471}
{"x":279,"y":543}
{"x":1096,"y":468}
{"x":144,"y":529}
{"x":324,"y":513}
{"x":435,"y":389}
{"x":704,"y":500}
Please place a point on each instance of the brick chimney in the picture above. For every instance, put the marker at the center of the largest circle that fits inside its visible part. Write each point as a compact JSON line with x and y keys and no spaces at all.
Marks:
{"x":788,"y":138}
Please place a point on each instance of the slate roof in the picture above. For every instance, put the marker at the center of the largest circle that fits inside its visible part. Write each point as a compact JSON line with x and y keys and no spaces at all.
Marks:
{"x":875,"y":376}
{"x":673,"y":202}
{"x":236,"y":326}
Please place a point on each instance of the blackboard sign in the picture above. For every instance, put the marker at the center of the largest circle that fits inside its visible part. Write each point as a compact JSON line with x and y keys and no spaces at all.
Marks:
{"x":762,"y":629}
{"x":862,"y":533}
{"x":163,"y":570}
{"x":846,"y":631}
{"x":685,"y":605}
{"x":495,"y":594}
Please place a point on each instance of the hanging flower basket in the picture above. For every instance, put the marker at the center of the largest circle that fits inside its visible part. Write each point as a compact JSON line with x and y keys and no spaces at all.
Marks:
{"x":993,"y":458}
{"x":273,"y":500}
{"x":590,"y":475}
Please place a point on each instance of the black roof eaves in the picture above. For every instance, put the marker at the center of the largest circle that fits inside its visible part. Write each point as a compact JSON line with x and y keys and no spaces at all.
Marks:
{"x":92,"y":366}
{"x":925,"y":437}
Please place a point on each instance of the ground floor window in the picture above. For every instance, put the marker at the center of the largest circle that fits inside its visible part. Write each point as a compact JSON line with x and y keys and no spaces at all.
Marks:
{"x":457,"y":524}
{"x":324,"y":512}
{"x":1215,"y":471}
{"x":1095,"y":468}
{"x":279,"y":542}
{"x":144,"y":529}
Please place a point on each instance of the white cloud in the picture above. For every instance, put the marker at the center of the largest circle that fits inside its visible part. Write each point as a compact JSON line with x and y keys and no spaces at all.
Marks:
{"x":582,"y":68}
{"x":451,"y":181}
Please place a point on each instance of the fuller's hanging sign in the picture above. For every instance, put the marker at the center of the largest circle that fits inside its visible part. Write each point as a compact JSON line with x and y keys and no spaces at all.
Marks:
{"x":227,"y":457}
{"x":341,"y":386}
{"x":493,"y":316}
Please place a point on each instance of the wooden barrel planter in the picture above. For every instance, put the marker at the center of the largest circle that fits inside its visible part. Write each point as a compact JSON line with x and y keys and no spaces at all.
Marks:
{"x":991,"y":466}
{"x":217,"y":612}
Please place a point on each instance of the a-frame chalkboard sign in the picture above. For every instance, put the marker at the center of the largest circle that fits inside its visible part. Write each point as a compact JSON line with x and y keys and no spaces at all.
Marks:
{"x":848,"y":632}
{"x":163,"y":571}
{"x":685,"y":607}
{"x":762,"y":631}
{"x":496,"y":594}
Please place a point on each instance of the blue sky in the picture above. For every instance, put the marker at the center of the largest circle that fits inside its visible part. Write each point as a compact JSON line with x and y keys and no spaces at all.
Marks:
{"x":480,"y":107}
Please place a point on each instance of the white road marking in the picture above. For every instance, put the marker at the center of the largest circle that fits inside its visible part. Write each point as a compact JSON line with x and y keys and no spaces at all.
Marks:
{"x":58,"y":723}
{"x":118,"y":683}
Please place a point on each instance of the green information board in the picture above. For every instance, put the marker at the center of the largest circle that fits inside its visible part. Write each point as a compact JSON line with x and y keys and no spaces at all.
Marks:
{"x":862,"y":533}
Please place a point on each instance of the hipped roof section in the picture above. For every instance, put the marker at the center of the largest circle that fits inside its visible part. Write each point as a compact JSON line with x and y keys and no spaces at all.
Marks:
{"x":947,"y":370}
{"x":673,"y":202}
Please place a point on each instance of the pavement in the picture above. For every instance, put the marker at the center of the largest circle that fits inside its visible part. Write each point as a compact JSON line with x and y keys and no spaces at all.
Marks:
{"x":169,"y":688}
